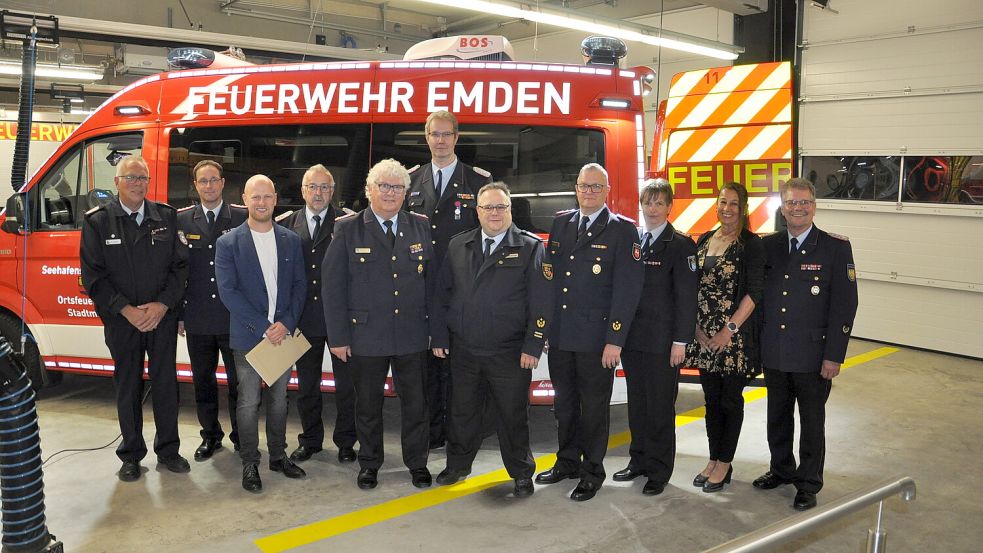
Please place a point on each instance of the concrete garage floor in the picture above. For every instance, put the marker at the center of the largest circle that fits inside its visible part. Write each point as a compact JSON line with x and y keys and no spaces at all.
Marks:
{"x":907,"y":413}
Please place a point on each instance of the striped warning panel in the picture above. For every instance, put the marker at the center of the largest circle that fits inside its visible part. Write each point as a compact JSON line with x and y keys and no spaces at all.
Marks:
{"x":694,"y":216}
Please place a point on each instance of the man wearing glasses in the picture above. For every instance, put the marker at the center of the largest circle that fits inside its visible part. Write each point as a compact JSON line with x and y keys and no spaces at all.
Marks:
{"x":496,"y":270}
{"x":375,"y":280}
{"x":445,"y":190}
{"x":809,"y":303}
{"x":315,"y":225}
{"x":134,"y":268}
{"x":203,"y":318}
{"x":593,"y":259}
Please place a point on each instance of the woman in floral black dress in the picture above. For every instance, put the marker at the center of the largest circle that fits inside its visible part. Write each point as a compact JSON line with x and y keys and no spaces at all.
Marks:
{"x":731,"y":262}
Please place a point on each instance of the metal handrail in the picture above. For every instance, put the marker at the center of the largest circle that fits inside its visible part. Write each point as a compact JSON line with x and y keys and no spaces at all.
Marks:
{"x":796,"y":526}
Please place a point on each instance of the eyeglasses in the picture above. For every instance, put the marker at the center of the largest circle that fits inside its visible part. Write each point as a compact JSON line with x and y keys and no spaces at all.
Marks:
{"x":799,"y":203}
{"x":130,"y":179}
{"x":590,"y":187}
{"x":320,"y":187}
{"x":498,"y":208}
{"x":387,"y":188}
{"x":439,"y":135}
{"x":206,"y":182}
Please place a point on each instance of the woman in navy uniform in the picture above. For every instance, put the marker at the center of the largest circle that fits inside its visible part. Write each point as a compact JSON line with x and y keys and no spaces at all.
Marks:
{"x":731,"y":262}
{"x":664,"y":323}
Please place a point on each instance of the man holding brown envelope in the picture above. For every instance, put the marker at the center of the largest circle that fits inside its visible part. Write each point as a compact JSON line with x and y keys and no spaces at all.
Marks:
{"x":261,"y":280}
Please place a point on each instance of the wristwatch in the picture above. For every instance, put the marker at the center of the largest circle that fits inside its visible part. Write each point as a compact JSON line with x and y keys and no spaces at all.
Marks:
{"x":731,"y":326}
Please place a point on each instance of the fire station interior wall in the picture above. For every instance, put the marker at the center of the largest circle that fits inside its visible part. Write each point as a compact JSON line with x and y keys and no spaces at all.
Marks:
{"x":705,"y":22}
{"x":888,"y":78}
{"x":42,"y":145}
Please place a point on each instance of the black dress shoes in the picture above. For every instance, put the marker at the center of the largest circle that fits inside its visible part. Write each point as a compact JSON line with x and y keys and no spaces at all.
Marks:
{"x":207,"y":448}
{"x":523,"y":487}
{"x":627,"y":474}
{"x":710,"y":486}
{"x":700,"y":480}
{"x":450,"y":476}
{"x":250,"y":479}
{"x":769,"y":481}
{"x":130,"y":471}
{"x":421,"y":477}
{"x":303,"y":453}
{"x":175,"y":464}
{"x":653,"y":487}
{"x":367,"y":479}
{"x":804,"y":501}
{"x":584,"y":491}
{"x":288,"y":468}
{"x":346,"y":455}
{"x":552,"y":476}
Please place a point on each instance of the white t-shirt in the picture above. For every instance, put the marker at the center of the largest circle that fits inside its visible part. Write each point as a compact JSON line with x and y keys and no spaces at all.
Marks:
{"x":266,"y":252}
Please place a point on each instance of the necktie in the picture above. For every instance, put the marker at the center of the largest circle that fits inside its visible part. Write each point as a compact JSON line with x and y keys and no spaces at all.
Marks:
{"x":210,"y":215}
{"x":647,"y":242}
{"x":583,"y":227}
{"x":390,"y":234}
{"x":440,"y":183}
{"x":317,"y":227}
{"x":134,"y":216}
{"x":794,"y":245}
{"x":488,"y":247}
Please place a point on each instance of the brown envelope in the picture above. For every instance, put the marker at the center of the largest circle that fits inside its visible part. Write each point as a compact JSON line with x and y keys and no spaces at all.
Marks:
{"x":272,"y":361}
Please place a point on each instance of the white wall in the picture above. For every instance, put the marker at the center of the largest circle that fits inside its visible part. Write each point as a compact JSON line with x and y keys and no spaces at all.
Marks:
{"x":888,"y":77}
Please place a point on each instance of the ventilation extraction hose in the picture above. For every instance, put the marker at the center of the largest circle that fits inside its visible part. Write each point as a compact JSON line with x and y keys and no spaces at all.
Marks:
{"x":25,"y":112}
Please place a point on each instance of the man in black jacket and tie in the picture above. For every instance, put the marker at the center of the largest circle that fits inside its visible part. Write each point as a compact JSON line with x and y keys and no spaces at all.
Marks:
{"x":315,"y":225}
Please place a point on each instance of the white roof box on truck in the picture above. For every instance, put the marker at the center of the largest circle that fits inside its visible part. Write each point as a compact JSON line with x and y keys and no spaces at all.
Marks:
{"x":470,"y":47}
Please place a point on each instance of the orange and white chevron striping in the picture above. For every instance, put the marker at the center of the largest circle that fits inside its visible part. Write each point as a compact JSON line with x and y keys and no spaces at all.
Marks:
{"x":695,"y":216}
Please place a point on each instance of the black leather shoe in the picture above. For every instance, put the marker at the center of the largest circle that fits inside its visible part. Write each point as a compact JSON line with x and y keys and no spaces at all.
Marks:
{"x":584,"y":491}
{"x":804,"y":501}
{"x":130,"y":471}
{"x":769,"y":481}
{"x":710,"y":486}
{"x":627,"y":474}
{"x":303,"y":453}
{"x":207,"y":448}
{"x":175,"y":464}
{"x":367,"y":478}
{"x":450,"y":476}
{"x":653,"y":487}
{"x":288,"y":468}
{"x":700,"y":480}
{"x":421,"y":477}
{"x":346,"y":455}
{"x":552,"y":476}
{"x":250,"y":479}
{"x":523,"y":487}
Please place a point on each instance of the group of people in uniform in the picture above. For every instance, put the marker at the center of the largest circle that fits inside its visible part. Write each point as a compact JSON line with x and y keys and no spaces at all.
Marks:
{"x":434,"y":283}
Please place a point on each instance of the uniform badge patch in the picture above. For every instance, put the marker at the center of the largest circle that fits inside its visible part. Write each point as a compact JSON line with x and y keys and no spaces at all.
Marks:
{"x":416,"y":248}
{"x":846,"y":329}
{"x":851,"y":272}
{"x":814,"y":290}
{"x":193,"y":236}
{"x":636,"y":252}
{"x":596,"y":268}
{"x":182,"y":238}
{"x":691,"y":261}
{"x":419,"y":268}
{"x":616,"y":326}
{"x":540,"y":322}
{"x":548,"y":271}
{"x":599,"y":246}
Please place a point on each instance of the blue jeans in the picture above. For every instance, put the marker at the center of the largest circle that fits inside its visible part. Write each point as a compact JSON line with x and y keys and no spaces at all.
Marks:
{"x":247,"y":413}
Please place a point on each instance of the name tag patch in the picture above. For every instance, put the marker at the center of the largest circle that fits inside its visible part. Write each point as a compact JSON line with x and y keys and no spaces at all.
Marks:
{"x":114,"y":242}
{"x":811,"y":267}
{"x":466,"y":196}
{"x":599,"y":246}
{"x":363,"y":250}
{"x":416,"y":248}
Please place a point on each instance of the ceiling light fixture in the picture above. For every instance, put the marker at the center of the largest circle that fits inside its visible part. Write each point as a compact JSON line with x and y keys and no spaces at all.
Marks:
{"x":603,"y":26}
{"x":49,"y":71}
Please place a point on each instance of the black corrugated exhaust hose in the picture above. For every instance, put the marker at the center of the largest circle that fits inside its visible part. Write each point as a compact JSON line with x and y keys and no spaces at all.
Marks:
{"x":25,"y":112}
{"x":21,"y":479}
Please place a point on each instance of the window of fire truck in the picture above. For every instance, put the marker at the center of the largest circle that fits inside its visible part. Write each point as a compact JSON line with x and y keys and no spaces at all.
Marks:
{"x":872,"y":178}
{"x":282,"y":152}
{"x":538,"y":163}
{"x":83,"y":179}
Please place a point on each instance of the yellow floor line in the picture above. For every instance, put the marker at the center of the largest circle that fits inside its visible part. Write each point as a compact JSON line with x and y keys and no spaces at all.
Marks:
{"x":317,"y":531}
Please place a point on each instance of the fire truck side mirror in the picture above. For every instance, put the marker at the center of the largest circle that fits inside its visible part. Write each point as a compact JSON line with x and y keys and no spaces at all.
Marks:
{"x":16,"y":221}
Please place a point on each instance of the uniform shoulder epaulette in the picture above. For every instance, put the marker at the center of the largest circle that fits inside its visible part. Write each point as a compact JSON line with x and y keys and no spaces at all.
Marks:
{"x":839,"y":236}
{"x":420,"y":215}
{"x":183,"y":209}
{"x":684,"y":234}
{"x":94,"y":210}
{"x":240,"y":206}
{"x":414,"y":168}
{"x":532,"y":235}
{"x":481,"y":172}
{"x":623,"y":218}
{"x":347,"y":215}
{"x":166,"y":206}
{"x":565,"y":212}
{"x":283,"y":216}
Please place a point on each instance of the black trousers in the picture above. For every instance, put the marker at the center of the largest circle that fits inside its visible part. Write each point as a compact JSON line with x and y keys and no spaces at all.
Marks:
{"x":724,"y":397}
{"x":128,"y":345}
{"x":310,"y":403}
{"x":204,"y":349}
{"x":652,"y":389}
{"x":811,"y":391}
{"x":410,"y":379}
{"x":582,"y":406}
{"x":507,"y":387}
{"x":438,"y":394}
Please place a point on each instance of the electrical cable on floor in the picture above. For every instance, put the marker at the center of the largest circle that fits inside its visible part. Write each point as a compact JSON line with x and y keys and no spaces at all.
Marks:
{"x":83,"y":450}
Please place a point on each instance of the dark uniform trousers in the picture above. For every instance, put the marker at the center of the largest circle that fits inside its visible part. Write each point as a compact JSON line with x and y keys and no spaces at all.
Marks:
{"x":652,"y":389}
{"x":810,"y":301}
{"x":125,"y":264}
{"x":206,"y":319}
{"x":450,"y":214}
{"x":375,"y":302}
{"x":310,"y":366}
{"x":514,"y":299}
{"x":597,"y":281}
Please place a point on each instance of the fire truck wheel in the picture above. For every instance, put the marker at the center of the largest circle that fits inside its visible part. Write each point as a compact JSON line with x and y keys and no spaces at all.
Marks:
{"x":10,"y":328}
